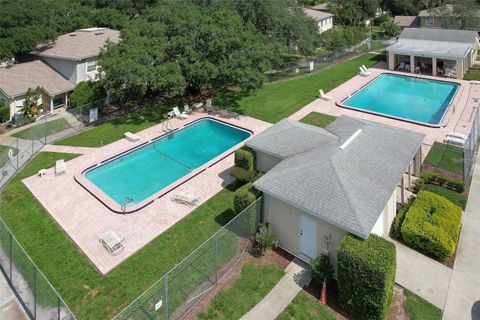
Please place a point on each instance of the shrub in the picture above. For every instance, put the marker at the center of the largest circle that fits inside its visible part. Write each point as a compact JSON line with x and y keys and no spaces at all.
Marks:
{"x":244,"y":196}
{"x":432,"y":225}
{"x":435,"y":178}
{"x":4,"y":113}
{"x":454,"y":197}
{"x":322,"y":270}
{"x":265,"y":238}
{"x":87,"y":92}
{"x":366,"y":276}
{"x":245,"y":158}
{"x":242,"y":175}
{"x":400,"y":216}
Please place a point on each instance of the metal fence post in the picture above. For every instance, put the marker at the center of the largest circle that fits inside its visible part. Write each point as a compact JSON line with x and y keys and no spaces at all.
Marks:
{"x":216,"y":258}
{"x":58,"y":308}
{"x":18,"y":153}
{"x":32,"y":149}
{"x":34,"y":292}
{"x":166,"y":296}
{"x":11,"y":252}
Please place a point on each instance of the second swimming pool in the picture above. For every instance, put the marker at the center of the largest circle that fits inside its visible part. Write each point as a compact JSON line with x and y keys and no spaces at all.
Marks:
{"x":419,"y":100}
{"x":143,"y":172}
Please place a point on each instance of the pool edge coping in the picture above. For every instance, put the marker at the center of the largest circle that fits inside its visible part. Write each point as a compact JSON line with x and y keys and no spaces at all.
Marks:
{"x":444,"y":120}
{"x":115,"y":207}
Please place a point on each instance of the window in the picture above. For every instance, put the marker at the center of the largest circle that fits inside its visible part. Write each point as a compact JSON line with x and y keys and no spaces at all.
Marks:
{"x":91,"y":65}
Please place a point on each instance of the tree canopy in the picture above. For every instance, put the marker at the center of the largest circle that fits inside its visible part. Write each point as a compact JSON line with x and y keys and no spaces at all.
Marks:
{"x":194,"y":50}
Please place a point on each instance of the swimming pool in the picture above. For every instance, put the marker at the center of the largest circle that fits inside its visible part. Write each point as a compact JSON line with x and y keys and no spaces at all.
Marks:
{"x":132,"y":177}
{"x":413,"y":99}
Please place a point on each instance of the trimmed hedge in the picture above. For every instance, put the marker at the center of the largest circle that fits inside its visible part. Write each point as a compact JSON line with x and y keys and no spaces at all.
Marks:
{"x":434,"y":178}
{"x":244,"y":196}
{"x":400,"y":216}
{"x":242,"y":175}
{"x":245,"y":159}
{"x":454,"y":197}
{"x":4,"y":113}
{"x":432,"y":225}
{"x":366,"y":276}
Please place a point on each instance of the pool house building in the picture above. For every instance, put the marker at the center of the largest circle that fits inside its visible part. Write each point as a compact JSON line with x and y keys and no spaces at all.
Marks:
{"x":438,"y":52}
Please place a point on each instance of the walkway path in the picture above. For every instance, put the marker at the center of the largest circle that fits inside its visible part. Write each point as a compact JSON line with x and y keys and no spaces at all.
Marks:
{"x":463,"y":299}
{"x":10,"y":308}
{"x":424,"y":276}
{"x":282,"y":294}
{"x":68,"y":149}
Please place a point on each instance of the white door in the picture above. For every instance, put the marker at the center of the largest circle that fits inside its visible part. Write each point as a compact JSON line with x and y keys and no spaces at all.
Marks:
{"x":308,"y":236}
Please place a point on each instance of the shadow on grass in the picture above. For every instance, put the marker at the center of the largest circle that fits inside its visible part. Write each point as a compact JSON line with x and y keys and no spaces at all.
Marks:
{"x":229,"y":100}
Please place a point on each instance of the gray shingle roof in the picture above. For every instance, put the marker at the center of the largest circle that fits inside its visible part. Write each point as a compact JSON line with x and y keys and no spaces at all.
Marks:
{"x":17,"y":79}
{"x":348,"y":188}
{"x":316,"y":14}
{"x":407,"y":21}
{"x":454,"y":44}
{"x":78,"y":45}
{"x":289,"y":137}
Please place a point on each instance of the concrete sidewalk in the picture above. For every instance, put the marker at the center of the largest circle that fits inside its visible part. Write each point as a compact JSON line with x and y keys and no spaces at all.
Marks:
{"x":463,"y":299}
{"x":10,"y":308}
{"x":297,"y":275}
{"x":423,"y":276}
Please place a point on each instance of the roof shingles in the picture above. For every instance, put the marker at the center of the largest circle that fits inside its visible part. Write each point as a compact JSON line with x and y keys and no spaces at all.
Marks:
{"x":348,"y":188}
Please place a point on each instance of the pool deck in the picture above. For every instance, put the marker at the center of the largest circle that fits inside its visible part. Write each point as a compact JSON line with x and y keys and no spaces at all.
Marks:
{"x":459,"y":117}
{"x":84,"y":218}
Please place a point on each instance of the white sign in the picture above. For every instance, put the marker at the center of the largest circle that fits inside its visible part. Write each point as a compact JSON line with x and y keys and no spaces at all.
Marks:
{"x":311,"y":65}
{"x":158,"y":305}
{"x":93,"y":116}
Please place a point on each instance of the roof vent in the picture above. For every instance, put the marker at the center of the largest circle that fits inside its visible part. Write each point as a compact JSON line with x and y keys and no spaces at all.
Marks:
{"x":72,"y":34}
{"x":349,"y":140}
{"x":99,"y":33}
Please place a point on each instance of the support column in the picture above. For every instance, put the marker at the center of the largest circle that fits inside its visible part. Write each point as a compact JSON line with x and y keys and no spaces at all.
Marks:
{"x":51,"y":104}
{"x":410,"y":174}
{"x":402,"y":189}
{"x":434,"y":66}
{"x":417,"y":162}
{"x":412,"y":64}
{"x":391,"y":61}
{"x":459,"y":69}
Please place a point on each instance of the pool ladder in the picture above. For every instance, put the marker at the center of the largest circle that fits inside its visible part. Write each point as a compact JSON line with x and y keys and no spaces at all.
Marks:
{"x":167,"y":125}
{"x":124,"y":204}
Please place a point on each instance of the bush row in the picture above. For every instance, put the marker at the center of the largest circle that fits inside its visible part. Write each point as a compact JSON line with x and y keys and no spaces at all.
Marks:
{"x":427,"y":177}
{"x":454,"y":197}
{"x":432,"y":225}
{"x":366,"y":276}
{"x":244,"y":196}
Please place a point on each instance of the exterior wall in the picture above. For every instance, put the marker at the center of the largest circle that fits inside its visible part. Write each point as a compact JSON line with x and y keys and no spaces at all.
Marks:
{"x":324,"y":25}
{"x":265,"y":162}
{"x":382,"y":226}
{"x":82,"y":74}
{"x":66,"y":68}
{"x":284,"y":221}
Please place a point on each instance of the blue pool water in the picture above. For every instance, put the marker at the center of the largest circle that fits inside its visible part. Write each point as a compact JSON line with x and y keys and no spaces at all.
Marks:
{"x":414,"y":99}
{"x":148,"y":169}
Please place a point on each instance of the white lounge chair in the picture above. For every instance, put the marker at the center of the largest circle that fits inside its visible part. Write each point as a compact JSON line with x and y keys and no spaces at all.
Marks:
{"x":323,"y":96}
{"x":187,"y":109}
{"x":60,"y":167}
{"x":401,"y":66}
{"x":186,"y":200}
{"x":364,"y":73}
{"x":208,"y":105}
{"x":112,"y":242}
{"x":178,"y":114}
{"x":457,"y":135}
{"x":454,"y":141}
{"x":365,"y":68}
{"x":440,"y":71}
{"x":197,"y":105}
{"x":131,"y":137}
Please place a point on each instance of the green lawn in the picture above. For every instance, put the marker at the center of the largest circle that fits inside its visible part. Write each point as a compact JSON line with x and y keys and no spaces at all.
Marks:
{"x":420,"y":309}
{"x":255,"y":282}
{"x":276,"y":101}
{"x":318,"y":119}
{"x":305,"y":307}
{"x":88,"y":294}
{"x":472,"y":74}
{"x":446,"y":157}
{"x":41,"y":130}
{"x":111,"y":131}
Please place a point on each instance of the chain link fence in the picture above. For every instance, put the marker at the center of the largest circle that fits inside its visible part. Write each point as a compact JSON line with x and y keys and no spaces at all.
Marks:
{"x":471,"y":148}
{"x":34,"y":291}
{"x":175,"y":294}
